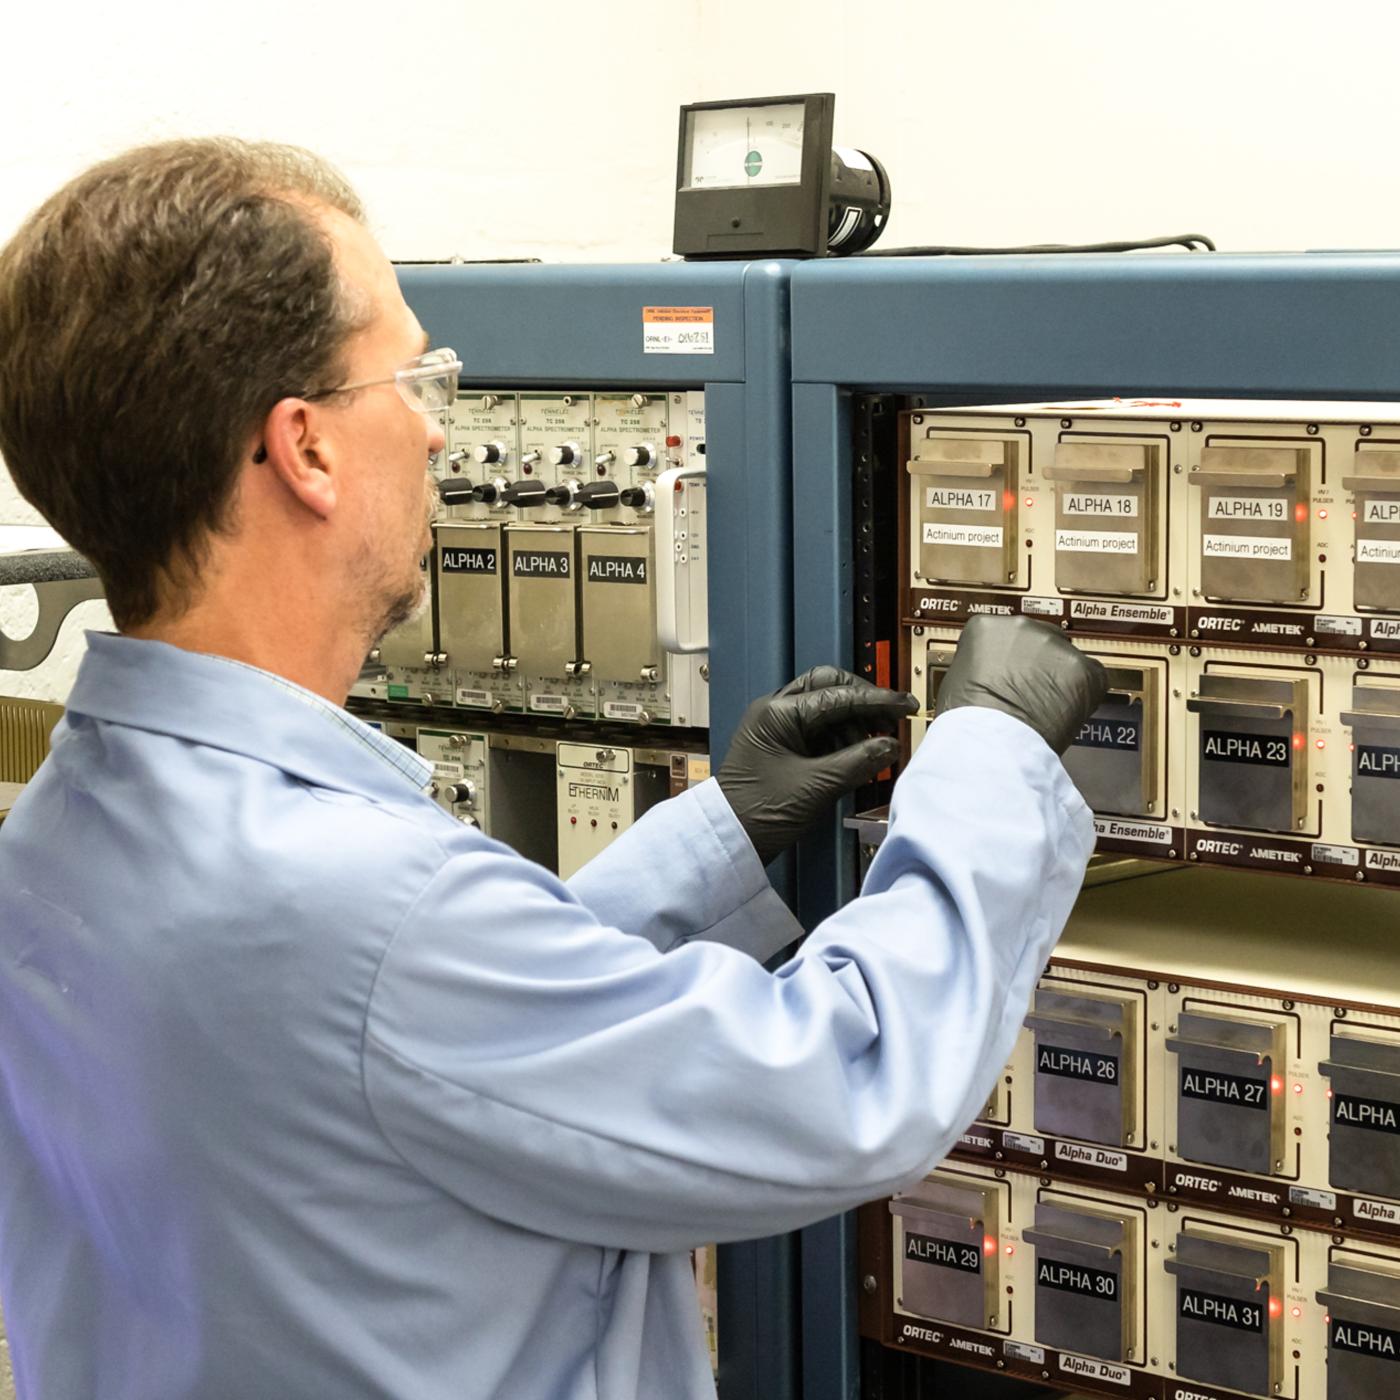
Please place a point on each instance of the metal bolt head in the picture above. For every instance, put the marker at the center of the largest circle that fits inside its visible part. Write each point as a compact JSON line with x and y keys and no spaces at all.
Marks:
{"x":869,"y":1283}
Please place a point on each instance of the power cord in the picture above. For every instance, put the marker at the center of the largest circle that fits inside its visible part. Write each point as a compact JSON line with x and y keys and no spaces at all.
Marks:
{"x":1192,"y":242}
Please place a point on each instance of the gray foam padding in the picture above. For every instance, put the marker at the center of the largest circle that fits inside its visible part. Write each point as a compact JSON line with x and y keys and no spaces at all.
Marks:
{"x":44,"y":566}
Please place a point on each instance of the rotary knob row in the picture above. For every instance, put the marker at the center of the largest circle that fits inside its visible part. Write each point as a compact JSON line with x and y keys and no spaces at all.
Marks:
{"x":596,"y":495}
{"x":566,"y":454}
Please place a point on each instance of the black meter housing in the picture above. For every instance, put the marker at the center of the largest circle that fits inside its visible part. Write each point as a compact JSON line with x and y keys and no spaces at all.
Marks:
{"x":838,"y":204}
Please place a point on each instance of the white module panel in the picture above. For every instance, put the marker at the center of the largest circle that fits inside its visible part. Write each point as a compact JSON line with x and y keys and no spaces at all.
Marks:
{"x":568,"y":573}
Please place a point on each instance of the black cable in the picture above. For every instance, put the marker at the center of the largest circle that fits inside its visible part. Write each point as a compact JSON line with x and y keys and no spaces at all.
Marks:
{"x":1192,"y":242}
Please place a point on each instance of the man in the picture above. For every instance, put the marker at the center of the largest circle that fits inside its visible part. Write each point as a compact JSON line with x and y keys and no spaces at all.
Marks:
{"x":307,"y":1090}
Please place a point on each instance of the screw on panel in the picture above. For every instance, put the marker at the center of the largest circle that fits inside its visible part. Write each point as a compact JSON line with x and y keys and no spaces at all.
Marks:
{"x":1066,"y":422}
{"x":1019,"y":422}
{"x":1196,"y":427}
{"x":918,"y":418}
{"x":1312,"y":429}
{"x":869,"y":1283}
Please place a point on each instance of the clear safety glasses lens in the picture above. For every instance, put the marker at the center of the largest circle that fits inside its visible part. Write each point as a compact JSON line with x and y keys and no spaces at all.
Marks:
{"x":429,"y":384}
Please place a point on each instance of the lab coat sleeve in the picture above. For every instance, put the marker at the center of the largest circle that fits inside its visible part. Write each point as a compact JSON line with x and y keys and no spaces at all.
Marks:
{"x":687,"y":870}
{"x":567,"y":1078}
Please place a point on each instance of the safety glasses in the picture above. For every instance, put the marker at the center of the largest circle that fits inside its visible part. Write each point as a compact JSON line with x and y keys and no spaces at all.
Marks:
{"x":428,"y":382}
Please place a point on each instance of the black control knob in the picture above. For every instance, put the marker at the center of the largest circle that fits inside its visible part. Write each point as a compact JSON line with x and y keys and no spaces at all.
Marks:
{"x":464,"y":791}
{"x":490,"y":452}
{"x":566,"y":454}
{"x":638,"y":497}
{"x":487,"y":493}
{"x":524,"y":493}
{"x":456,"y":493}
{"x":642,"y":455}
{"x":561,"y":495}
{"x":598,"y":495}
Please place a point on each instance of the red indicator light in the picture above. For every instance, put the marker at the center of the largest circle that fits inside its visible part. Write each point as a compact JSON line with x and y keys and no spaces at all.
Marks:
{"x":680,"y":486}
{"x":1297,"y":1088}
{"x":1275,"y":1308}
{"x":1300,"y":513}
{"x":1276,"y":1084}
{"x":673,"y":441}
{"x":1010,"y":1250}
{"x":1297,"y":1312}
{"x":1322,"y":743}
{"x":1299,"y":740}
{"x":1030,"y":501}
{"x":1322,"y":515}
{"x":989,"y":1245}
{"x":573,"y":821}
{"x":1008,"y":500}
{"x":1329,"y":1093}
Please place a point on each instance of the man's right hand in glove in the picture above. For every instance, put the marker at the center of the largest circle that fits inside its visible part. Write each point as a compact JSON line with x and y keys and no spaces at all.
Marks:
{"x":1028,"y":671}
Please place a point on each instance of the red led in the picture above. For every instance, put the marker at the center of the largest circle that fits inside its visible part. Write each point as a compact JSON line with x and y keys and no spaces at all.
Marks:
{"x":1299,"y":740}
{"x":573,"y":821}
{"x":1030,"y":501}
{"x":1010,"y":1250}
{"x":673,"y":441}
{"x":1322,"y":515}
{"x":1297,"y":1311}
{"x":989,"y":1245}
{"x":1300,"y":513}
{"x":1276,"y":1084}
{"x":1297,"y":1088}
{"x":1322,"y":743}
{"x":1008,"y":500}
{"x":1275,"y":1308}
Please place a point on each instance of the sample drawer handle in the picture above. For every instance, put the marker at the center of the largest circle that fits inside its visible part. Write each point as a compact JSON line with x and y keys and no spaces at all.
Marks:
{"x":1361,"y":482}
{"x":1204,"y":1272}
{"x":1386,"y":1081}
{"x":1118,"y":476}
{"x":1095,"y":1030}
{"x":668,"y":622}
{"x":957,"y":469}
{"x":1359,"y":1310}
{"x":1223,"y":1056}
{"x":1236,"y":709}
{"x":1048,"y":1239}
{"x":1369,"y":719}
{"x":1259,"y":481}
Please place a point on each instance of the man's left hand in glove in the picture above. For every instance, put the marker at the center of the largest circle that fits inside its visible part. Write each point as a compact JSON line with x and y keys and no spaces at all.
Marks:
{"x":798,"y":751}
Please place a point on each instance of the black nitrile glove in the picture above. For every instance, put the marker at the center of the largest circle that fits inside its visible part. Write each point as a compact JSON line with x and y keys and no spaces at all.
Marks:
{"x":1027,"y":670}
{"x":799,"y":750}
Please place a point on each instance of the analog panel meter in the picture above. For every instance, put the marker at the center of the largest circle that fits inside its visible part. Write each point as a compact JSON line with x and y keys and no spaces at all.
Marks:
{"x":759,"y":175}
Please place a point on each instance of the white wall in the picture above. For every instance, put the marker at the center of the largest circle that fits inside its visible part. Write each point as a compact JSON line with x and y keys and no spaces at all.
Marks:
{"x":548,"y":129}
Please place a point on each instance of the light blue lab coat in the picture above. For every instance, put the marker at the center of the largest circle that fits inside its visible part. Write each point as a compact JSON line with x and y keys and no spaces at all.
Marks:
{"x":310,"y":1092}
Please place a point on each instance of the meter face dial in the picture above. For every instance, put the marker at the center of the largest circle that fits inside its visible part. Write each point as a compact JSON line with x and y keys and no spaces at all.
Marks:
{"x":738,"y":147}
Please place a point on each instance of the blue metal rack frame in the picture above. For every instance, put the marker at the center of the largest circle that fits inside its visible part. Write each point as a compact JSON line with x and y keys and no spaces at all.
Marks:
{"x":549,"y":326}
{"x":1017,"y":329}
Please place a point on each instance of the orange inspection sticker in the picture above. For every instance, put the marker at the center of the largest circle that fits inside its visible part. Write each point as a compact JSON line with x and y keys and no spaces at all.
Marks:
{"x":678,"y":330}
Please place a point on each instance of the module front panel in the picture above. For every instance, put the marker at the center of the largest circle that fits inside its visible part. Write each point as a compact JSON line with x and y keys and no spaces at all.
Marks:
{"x":544,"y":572}
{"x":1270,"y":524}
{"x":1107,"y":1294}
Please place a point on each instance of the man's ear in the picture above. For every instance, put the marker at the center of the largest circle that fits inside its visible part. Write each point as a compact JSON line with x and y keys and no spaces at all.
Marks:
{"x":299,"y":455}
